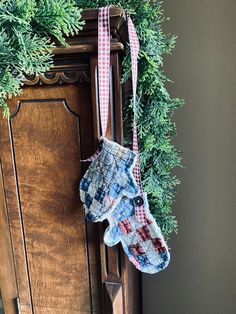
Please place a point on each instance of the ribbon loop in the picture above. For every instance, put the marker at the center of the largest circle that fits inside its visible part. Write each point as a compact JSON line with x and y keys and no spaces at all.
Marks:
{"x":104,"y":65}
{"x":103,"y":80}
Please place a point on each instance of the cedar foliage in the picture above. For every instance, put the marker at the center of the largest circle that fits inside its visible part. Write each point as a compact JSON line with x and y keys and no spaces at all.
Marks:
{"x":27,"y":29}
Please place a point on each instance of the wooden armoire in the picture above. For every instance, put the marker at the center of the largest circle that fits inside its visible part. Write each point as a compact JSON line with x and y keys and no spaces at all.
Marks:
{"x":51,"y":260}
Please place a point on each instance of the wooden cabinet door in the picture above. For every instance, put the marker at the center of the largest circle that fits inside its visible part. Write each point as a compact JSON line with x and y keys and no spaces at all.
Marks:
{"x":56,"y":254}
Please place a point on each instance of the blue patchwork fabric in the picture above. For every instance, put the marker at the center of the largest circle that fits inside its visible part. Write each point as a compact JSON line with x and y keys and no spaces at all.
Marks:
{"x":84,"y":184}
{"x":143,"y":261}
{"x":108,"y":190}
{"x":143,"y":243}
{"x":120,"y":212}
{"x":114,"y":235}
{"x":100,"y":194}
{"x":88,"y":200}
{"x":115,"y":190}
{"x":108,"y":178}
{"x":90,"y":217}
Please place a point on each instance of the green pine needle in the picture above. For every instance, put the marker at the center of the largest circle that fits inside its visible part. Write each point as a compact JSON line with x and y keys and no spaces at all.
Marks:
{"x":26,"y":31}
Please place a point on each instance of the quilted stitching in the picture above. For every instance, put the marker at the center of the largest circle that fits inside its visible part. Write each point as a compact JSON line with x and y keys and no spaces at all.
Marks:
{"x":143,"y":243}
{"x":108,"y":178}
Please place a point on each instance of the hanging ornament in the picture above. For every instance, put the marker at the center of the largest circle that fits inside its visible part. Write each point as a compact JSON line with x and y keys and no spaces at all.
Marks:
{"x":111,"y":187}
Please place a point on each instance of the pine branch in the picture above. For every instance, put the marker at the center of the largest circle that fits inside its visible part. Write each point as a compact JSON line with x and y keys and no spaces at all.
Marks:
{"x":57,"y":18}
{"x":26,"y":30}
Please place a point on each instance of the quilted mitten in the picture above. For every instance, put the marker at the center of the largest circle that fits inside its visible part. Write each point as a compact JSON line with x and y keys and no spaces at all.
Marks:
{"x":108,"y":178}
{"x":142,"y":242}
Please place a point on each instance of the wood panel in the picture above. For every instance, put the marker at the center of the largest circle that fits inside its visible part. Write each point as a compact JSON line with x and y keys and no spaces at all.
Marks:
{"x":50,"y":131}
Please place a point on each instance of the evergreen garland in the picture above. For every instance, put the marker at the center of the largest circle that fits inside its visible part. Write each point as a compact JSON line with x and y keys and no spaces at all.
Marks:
{"x":26,"y":31}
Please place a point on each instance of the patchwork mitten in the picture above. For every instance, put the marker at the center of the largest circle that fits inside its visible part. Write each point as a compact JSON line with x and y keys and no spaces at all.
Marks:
{"x":108,"y":178}
{"x":143,"y":243}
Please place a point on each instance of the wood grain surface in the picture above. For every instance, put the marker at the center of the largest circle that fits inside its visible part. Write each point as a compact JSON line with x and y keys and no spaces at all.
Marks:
{"x":7,"y":273}
{"x":46,"y":162}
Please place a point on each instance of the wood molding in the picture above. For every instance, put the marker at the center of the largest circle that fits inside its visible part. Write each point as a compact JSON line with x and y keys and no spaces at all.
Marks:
{"x":64,"y":77}
{"x":7,"y":271}
{"x":86,"y":39}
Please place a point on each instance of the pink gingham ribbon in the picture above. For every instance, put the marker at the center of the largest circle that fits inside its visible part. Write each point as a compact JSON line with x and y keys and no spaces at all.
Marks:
{"x":134,"y":50}
{"x":103,"y":80}
{"x":104,"y":65}
{"x":103,"y":70}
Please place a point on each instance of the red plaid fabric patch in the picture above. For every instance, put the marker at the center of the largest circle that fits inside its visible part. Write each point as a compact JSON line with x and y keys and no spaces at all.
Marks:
{"x":158,"y":246}
{"x":144,"y":233}
{"x":137,"y":249}
{"x":125,"y":226}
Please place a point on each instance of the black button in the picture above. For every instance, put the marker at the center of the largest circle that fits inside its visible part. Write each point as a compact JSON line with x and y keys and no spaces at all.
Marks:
{"x":138,"y":201}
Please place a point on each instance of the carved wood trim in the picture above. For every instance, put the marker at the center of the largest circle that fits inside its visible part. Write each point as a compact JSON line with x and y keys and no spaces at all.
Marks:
{"x":61,"y":77}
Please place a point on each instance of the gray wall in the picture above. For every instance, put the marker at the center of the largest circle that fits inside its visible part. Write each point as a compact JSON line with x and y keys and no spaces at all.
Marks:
{"x":201,"y":278}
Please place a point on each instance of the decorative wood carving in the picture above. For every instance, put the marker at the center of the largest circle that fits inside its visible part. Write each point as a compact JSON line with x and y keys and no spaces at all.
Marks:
{"x":64,"y":77}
